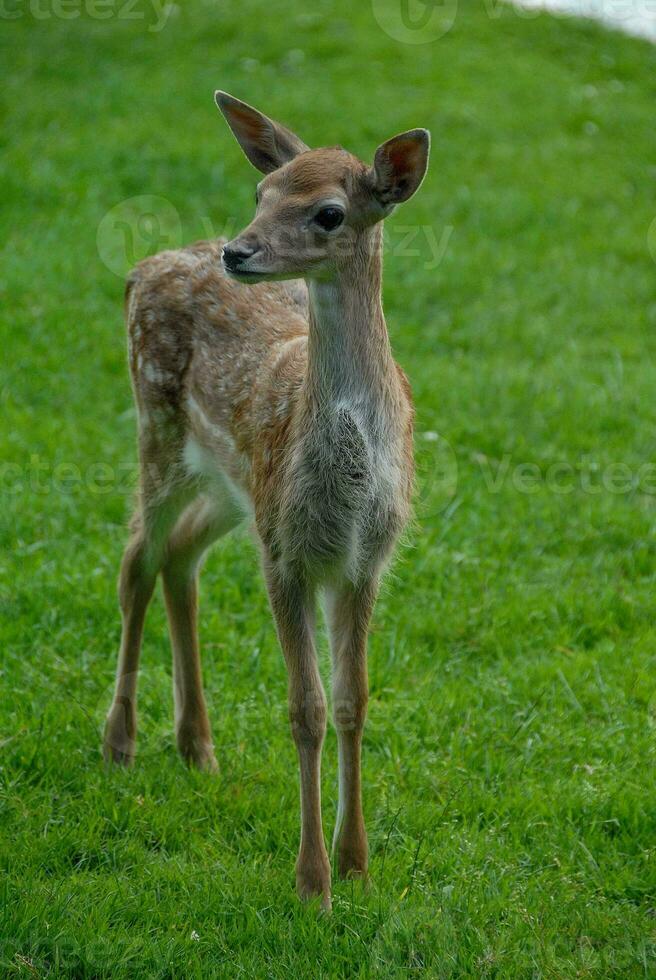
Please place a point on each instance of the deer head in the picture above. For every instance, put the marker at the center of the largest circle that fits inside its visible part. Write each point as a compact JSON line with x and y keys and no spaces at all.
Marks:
{"x":313,"y":206}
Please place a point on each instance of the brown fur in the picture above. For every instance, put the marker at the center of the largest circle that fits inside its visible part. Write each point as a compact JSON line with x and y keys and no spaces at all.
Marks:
{"x":267,"y":400}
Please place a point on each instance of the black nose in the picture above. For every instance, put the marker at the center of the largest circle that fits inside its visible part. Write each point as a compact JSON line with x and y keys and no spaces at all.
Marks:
{"x":237,"y":252}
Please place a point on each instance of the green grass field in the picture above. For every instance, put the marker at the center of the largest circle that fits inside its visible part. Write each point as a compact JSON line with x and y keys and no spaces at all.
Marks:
{"x":510,"y":787}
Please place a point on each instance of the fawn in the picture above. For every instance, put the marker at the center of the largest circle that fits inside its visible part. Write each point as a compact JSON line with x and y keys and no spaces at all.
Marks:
{"x":278,"y":400}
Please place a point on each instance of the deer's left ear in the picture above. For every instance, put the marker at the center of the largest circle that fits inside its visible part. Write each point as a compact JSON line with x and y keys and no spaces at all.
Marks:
{"x":400,"y":165}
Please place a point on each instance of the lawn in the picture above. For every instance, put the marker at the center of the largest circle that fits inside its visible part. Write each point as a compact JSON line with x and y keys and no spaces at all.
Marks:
{"x":509,"y":768}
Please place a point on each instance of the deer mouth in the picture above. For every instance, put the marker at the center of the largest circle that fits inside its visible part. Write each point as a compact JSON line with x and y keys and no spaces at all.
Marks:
{"x":244,"y":275}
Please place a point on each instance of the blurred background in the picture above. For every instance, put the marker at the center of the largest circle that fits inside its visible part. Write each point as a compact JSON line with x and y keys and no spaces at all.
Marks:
{"x":509,"y":761}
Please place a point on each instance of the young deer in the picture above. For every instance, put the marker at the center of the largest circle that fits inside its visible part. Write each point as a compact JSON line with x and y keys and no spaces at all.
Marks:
{"x":281,"y":402}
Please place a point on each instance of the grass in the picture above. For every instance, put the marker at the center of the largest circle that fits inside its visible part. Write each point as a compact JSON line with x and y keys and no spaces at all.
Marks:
{"x":510,"y":786}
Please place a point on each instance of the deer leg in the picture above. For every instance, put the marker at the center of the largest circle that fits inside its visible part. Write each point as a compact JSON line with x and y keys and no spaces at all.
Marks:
{"x":349,"y":613}
{"x":141,"y":563}
{"x":292,"y":605}
{"x":201,"y":524}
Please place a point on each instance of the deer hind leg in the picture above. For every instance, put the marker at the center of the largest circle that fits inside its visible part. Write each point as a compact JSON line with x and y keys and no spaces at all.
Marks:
{"x":142,"y":560}
{"x":292,"y":606}
{"x":349,"y":611}
{"x":201,"y":524}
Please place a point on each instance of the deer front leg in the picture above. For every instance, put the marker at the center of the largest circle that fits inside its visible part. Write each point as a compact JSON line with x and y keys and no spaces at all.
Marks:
{"x":349,"y":613}
{"x":293,"y":611}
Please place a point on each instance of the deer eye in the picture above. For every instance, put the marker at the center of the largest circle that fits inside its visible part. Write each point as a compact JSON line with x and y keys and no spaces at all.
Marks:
{"x":329,"y":218}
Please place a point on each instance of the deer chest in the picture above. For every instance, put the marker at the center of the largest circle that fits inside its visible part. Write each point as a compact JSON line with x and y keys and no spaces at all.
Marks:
{"x":345,"y":505}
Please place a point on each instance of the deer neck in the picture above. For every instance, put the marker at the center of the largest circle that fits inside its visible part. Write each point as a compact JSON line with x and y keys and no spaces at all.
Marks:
{"x":349,"y":354}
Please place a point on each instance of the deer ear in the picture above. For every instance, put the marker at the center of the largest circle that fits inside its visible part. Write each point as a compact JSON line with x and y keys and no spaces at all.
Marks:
{"x":266,"y":143}
{"x":400,"y":165}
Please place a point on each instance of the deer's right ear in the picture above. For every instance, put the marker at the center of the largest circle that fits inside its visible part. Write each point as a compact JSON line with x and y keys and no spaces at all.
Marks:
{"x":266,"y":143}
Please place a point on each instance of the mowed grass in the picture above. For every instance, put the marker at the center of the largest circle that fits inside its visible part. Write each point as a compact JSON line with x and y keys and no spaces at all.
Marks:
{"x":510,"y":787}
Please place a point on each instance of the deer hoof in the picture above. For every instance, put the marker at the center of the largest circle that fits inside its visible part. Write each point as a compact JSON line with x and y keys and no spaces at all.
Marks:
{"x":313,"y":881}
{"x":119,"y":746}
{"x":197,"y":752}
